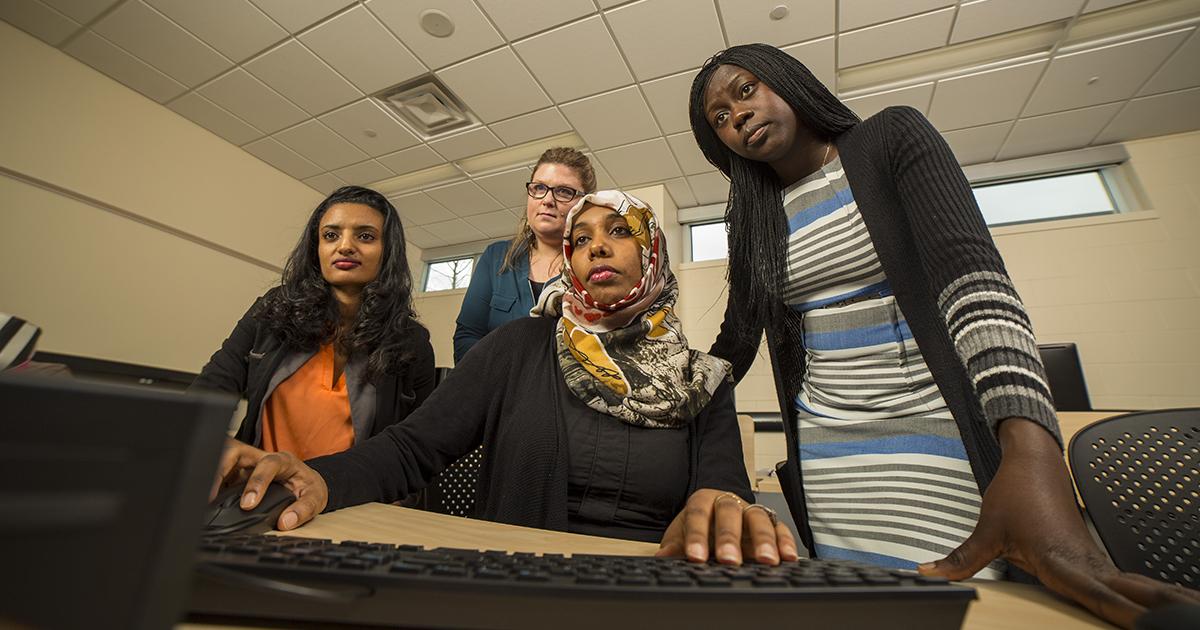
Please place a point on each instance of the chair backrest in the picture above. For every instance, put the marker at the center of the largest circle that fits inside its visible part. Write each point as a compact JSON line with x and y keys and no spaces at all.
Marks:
{"x":1065,"y":372}
{"x":453,"y":491}
{"x":1139,"y":477}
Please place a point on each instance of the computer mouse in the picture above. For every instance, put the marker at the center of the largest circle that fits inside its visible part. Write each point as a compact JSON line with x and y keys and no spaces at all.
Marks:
{"x":226,"y":516}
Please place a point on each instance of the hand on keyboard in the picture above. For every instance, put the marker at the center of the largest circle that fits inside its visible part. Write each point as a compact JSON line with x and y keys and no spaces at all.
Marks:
{"x":259,"y":468}
{"x":732,"y":528}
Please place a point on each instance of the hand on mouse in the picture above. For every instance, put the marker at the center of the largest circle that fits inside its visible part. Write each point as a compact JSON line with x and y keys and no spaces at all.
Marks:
{"x":259,"y":468}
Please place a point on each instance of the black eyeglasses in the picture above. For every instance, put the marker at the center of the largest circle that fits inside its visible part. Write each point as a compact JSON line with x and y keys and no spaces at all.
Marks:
{"x":538,"y":190}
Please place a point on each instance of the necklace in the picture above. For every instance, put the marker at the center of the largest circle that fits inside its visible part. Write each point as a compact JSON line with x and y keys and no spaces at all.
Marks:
{"x":825,"y":158}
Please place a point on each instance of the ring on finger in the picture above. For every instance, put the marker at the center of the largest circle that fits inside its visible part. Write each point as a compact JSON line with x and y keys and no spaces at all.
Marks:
{"x":728,"y":495}
{"x":771,"y":514}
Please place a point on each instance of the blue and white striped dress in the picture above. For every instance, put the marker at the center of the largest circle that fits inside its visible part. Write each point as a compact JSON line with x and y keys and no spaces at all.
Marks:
{"x":886,"y":476}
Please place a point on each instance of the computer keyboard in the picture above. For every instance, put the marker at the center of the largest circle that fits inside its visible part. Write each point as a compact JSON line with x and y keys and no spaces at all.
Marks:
{"x":302,"y":579}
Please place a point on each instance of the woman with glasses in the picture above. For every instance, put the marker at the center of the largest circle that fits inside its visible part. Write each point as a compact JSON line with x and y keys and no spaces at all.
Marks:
{"x":510,"y":274}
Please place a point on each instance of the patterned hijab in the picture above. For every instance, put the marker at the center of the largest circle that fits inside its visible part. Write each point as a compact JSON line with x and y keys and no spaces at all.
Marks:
{"x":629,"y":359}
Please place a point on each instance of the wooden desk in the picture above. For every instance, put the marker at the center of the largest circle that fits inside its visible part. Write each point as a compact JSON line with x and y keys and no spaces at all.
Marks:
{"x":1000,"y":605}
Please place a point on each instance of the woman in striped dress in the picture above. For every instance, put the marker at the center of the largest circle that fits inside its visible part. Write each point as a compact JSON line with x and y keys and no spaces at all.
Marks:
{"x":921,"y":432}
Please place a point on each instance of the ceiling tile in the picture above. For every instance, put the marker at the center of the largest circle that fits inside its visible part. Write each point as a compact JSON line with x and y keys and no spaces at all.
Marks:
{"x":989,"y":17}
{"x":977,"y":144}
{"x":668,"y":97}
{"x":236,"y":28}
{"x":854,"y":14}
{"x":370,"y":128}
{"x":639,"y":30}
{"x":297,"y":15}
{"x":124,"y":67}
{"x":282,"y":158}
{"x":820,"y":58}
{"x":984,"y":97}
{"x":363,"y":51}
{"x":1100,"y":5}
{"x":38,"y":20}
{"x":454,"y":231}
{"x":576,"y":60}
{"x":681,"y":193}
{"x":1057,"y":132}
{"x":463,"y":199}
{"x":545,"y":123}
{"x":410,"y":160}
{"x":1174,"y":112}
{"x":604,"y":181}
{"x":320,"y":145}
{"x":247,"y":98}
{"x":750,"y":21}
{"x":421,"y":238}
{"x":916,"y":96}
{"x":495,"y":86}
{"x":161,"y":43}
{"x":420,"y":209}
{"x":893,"y":39}
{"x":473,"y":142}
{"x":640,"y":163}
{"x":210,"y":116}
{"x":1101,"y":75}
{"x":608,"y":4}
{"x":364,"y":173}
{"x":472,"y":34}
{"x":324,"y":183}
{"x":295,"y":72}
{"x":1180,"y":70}
{"x":610,"y":119}
{"x":710,"y":188}
{"x":683,"y":145}
{"x":498,"y":224}
{"x":82,"y":11}
{"x":507,"y":187}
{"x":520,"y":18}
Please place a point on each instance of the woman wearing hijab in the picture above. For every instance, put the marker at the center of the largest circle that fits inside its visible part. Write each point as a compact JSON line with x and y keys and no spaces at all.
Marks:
{"x":594,"y":415}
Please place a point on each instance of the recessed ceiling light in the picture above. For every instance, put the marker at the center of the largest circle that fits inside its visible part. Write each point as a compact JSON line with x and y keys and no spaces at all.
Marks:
{"x":437,"y":23}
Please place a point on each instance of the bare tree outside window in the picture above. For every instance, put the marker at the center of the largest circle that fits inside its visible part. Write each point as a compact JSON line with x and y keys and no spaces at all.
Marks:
{"x":449,"y":274}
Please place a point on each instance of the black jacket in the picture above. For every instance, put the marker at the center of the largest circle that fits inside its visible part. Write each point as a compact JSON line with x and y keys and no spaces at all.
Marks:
{"x":507,"y":395}
{"x":251,"y":355}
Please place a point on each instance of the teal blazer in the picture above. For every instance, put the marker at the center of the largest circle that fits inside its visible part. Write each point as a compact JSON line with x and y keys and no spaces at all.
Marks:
{"x":492,"y":298}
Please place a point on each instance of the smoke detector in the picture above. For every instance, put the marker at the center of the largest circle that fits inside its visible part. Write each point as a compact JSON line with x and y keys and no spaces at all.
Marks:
{"x":429,"y":108}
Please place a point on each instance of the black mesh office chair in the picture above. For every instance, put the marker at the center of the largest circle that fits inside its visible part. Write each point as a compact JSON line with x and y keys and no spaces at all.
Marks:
{"x":1066,"y":376}
{"x":1139,"y":477}
{"x":453,"y":491}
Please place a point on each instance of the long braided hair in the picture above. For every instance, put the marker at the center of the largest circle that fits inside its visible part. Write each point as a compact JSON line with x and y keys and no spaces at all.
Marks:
{"x":754,"y":213}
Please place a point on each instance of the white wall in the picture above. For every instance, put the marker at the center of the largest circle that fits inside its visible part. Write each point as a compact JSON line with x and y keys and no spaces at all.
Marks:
{"x":130,"y":233}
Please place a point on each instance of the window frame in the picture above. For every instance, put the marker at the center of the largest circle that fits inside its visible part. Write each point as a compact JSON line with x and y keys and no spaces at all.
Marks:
{"x":474,"y":258}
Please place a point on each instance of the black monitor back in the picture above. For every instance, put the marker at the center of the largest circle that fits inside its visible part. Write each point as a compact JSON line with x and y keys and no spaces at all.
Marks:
{"x":102,"y":489}
{"x":1065,"y":372}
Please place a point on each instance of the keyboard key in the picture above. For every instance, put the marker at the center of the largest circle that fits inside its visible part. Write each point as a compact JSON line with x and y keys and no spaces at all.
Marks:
{"x":714,"y":581}
{"x":403,"y":567}
{"x":928,"y":580}
{"x":770,"y":581}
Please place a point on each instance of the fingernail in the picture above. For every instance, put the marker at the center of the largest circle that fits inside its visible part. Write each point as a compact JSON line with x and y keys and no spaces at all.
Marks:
{"x":925,"y":566}
{"x":727,"y":553}
{"x":695,"y":550}
{"x":289,"y":520}
{"x":248,"y":499}
{"x":767,"y":552}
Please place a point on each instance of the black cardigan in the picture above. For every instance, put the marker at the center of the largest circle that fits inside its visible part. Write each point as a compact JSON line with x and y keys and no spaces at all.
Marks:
{"x":505,"y":395}
{"x":250,"y":356}
{"x":928,"y":232}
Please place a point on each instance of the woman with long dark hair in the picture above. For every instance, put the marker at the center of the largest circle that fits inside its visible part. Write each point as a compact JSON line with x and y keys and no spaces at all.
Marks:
{"x":334,"y":354}
{"x":920,"y":428}
{"x":510,"y":274}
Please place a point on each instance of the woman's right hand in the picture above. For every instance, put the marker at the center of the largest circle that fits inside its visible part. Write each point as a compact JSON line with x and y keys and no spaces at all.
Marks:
{"x":259,"y":468}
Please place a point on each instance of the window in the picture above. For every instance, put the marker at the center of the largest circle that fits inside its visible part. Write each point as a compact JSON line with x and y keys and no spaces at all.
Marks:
{"x":1053,"y":197}
{"x":444,"y":275}
{"x":709,"y":241}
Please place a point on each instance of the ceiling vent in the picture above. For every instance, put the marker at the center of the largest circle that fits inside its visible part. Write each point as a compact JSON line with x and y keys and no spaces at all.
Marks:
{"x":429,"y":108}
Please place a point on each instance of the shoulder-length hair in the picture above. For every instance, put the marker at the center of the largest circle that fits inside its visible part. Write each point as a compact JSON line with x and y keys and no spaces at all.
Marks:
{"x":754,"y":211}
{"x":304,"y":314}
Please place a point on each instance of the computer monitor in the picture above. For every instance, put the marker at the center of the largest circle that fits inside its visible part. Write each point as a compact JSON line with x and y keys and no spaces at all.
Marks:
{"x":102,"y":490}
{"x":1066,"y":376}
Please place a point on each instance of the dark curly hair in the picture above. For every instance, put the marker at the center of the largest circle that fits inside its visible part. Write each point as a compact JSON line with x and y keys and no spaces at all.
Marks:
{"x":754,"y":213}
{"x":304,"y":314}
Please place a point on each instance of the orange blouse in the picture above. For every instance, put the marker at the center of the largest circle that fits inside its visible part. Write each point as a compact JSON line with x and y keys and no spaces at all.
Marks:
{"x":308,"y":414}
